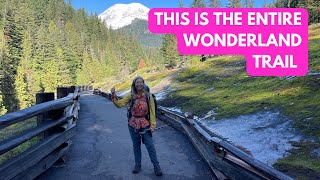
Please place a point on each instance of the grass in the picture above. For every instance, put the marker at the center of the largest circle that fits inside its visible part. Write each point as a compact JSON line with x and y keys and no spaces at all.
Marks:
{"x":150,"y":76}
{"x":301,"y":161}
{"x":14,"y":130}
{"x":222,"y":83}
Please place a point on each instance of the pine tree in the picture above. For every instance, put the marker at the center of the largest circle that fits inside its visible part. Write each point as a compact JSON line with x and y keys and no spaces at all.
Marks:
{"x":3,"y":109}
{"x":251,"y":4}
{"x":84,"y":74}
{"x":181,"y":5}
{"x":40,"y":9}
{"x":61,"y":46}
{"x":25,"y":17}
{"x":265,"y":5}
{"x":169,"y":51}
{"x":281,"y":3}
{"x":215,"y":3}
{"x":73,"y":51}
{"x":10,"y":58}
{"x":41,"y":56}
{"x":50,"y":76}
{"x":313,"y":7}
{"x":248,"y":3}
{"x":64,"y":78}
{"x":22,"y":83}
{"x":234,"y":4}
{"x":198,"y":4}
{"x":22,"y":89}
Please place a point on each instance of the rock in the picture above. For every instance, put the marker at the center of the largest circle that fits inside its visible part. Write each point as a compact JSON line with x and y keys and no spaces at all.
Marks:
{"x":189,"y":115}
{"x":237,"y":84}
{"x":210,"y":89}
{"x":210,"y":114}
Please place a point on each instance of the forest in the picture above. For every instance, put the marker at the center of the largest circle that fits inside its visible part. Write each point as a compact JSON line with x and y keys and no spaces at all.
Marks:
{"x":47,"y":44}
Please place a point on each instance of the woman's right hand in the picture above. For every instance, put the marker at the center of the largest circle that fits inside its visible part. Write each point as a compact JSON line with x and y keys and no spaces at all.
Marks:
{"x":112,"y":90}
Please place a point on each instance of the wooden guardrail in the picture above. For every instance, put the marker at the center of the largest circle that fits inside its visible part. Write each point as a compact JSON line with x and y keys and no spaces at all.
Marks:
{"x":56,"y":121}
{"x":225,"y":160}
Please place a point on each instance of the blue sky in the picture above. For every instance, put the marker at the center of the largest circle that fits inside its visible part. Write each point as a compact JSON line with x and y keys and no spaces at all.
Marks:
{"x":99,"y":6}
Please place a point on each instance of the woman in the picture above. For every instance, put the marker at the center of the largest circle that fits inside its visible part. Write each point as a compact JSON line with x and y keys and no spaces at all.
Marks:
{"x":141,"y":119}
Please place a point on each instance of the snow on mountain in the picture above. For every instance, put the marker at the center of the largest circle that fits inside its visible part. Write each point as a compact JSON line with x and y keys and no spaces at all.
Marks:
{"x":120,"y":15}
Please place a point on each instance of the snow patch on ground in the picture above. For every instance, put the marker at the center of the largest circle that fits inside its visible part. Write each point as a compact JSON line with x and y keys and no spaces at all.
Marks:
{"x":265,"y":134}
{"x":161,"y":95}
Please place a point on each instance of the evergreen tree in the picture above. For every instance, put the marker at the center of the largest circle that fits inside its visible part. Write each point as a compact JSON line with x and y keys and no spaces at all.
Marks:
{"x":25,"y":17}
{"x":169,"y":51}
{"x":181,"y":5}
{"x":198,"y":4}
{"x":60,"y":46}
{"x":3,"y":109}
{"x":9,"y":59}
{"x":286,"y":3}
{"x":265,"y":5}
{"x":313,"y":7}
{"x":215,"y":3}
{"x":50,"y":76}
{"x":74,"y":50}
{"x":43,"y":54}
{"x":234,"y":4}
{"x":23,"y":89}
{"x":248,"y":3}
{"x":64,"y":78}
{"x":40,"y":9}
{"x":84,"y":73}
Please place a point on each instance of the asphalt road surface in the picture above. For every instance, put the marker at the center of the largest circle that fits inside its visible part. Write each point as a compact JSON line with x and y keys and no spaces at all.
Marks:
{"x":102,"y":148}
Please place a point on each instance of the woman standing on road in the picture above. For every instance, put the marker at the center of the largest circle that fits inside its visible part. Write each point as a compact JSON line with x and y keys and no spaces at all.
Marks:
{"x":141,"y":119}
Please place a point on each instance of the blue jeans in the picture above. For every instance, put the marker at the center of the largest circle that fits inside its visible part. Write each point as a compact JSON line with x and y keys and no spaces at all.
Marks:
{"x":148,"y":141}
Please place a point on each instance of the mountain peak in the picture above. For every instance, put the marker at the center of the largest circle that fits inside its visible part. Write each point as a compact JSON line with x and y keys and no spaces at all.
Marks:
{"x":120,"y":15}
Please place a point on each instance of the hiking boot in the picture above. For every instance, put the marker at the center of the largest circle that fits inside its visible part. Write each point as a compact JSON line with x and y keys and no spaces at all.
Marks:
{"x":157,"y":170}
{"x":136,"y":169}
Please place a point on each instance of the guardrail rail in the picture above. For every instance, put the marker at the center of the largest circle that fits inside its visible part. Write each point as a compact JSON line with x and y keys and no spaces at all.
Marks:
{"x":56,"y":121}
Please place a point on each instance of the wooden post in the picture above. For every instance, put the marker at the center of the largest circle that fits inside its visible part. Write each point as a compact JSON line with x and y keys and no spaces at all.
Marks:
{"x":41,"y":98}
{"x":74,"y":88}
{"x":71,"y":89}
{"x":62,"y":92}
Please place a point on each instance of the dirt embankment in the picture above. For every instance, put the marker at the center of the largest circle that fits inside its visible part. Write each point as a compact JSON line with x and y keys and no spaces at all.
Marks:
{"x":164,"y":83}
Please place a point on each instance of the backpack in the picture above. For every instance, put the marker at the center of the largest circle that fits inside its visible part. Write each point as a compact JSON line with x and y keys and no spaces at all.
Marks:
{"x":129,"y":115}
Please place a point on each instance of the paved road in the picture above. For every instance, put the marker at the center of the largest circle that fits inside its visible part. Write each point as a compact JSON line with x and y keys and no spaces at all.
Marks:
{"x":102,"y":149}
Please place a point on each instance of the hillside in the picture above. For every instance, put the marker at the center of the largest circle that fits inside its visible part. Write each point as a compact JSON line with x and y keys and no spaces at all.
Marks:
{"x":138,"y":29}
{"x":222,"y":84}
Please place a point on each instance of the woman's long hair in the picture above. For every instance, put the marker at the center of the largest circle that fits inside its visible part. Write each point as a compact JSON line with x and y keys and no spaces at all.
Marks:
{"x":133,"y":87}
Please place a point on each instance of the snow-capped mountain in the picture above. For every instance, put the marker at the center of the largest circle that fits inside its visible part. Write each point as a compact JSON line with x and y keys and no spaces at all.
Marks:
{"x":120,"y":15}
